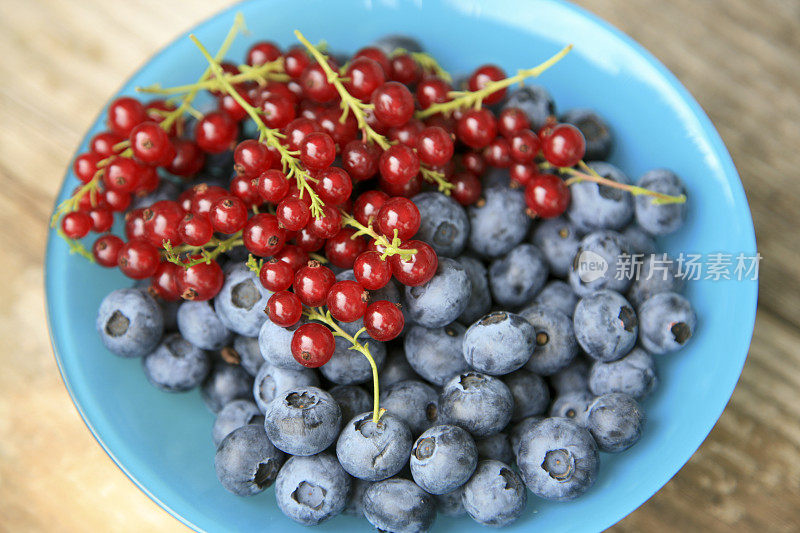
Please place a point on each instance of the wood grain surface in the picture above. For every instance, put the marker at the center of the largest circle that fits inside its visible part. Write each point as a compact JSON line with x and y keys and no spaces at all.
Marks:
{"x":61,"y":60}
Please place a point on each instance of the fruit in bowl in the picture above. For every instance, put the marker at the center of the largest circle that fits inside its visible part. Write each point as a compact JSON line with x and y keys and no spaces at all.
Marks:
{"x":342,"y":265}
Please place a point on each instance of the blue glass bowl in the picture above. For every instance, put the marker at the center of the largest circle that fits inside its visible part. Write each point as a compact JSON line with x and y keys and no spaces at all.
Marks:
{"x":163,"y":441}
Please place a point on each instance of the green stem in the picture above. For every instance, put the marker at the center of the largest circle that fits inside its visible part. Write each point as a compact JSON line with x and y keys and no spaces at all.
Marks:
{"x":437,"y":178}
{"x":173,"y":254}
{"x":272,"y":70}
{"x":389,"y":247}
{"x":590,"y":174}
{"x":75,"y":246}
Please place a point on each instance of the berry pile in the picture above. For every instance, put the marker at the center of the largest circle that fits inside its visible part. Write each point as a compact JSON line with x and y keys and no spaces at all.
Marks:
{"x":359,"y":216}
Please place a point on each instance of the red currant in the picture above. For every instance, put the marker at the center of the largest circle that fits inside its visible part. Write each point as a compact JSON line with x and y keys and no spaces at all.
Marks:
{"x":204,"y":197}
{"x":432,"y":91}
{"x":106,"y":249}
{"x":498,"y":153}
{"x":400,"y":214}
{"x":102,"y":219}
{"x":317,"y":150}
{"x":246,"y":189}
{"x":148,"y":180}
{"x":394,"y":104}
{"x":155,"y":111}
{"x":476,"y":128}
{"x":419,"y":268}
{"x":565,"y":146}
{"x":284,"y":309}
{"x":347,"y":300}
{"x":383,"y":320}
{"x":327,"y":225}
{"x":138,"y":259}
{"x":251,"y":158}
{"x":367,"y":206}
{"x":188,"y":160}
{"x":200,"y":282}
{"x":277,"y":111}
{"x":524,"y":145}
{"x":134,"y":224}
{"x":165,"y":281}
{"x":273,"y":186}
{"x":377,"y":55}
{"x":122,"y":174}
{"x":360,"y":159}
{"x":407,"y":133}
{"x":315,"y":84}
{"x":308,"y":241}
{"x":398,"y":164}
{"x":365,"y":75}
{"x":482,"y":77}
{"x":512,"y":120}
{"x":473,"y":162}
{"x":228,"y":104}
{"x":161,"y":223}
{"x":297,"y":130}
{"x":294,"y":256}
{"x":228,"y":214}
{"x":194,"y":230}
{"x":103,"y":143}
{"x":341,"y":132}
{"x":342,"y":249}
{"x":85,"y":166}
{"x":263,"y":235}
{"x":295,"y":62}
{"x":467,"y":188}
{"x":434,"y":146}
{"x":333,"y":186}
{"x":293,"y":214}
{"x":117,"y":201}
{"x":124,"y":114}
{"x":371,"y":271}
{"x":312,"y":283}
{"x":405,"y":69}
{"x":276,"y":275}
{"x":547,"y":195}
{"x":216,"y":132}
{"x":150,"y":144}
{"x":312,"y":345}
{"x":76,"y":225}
{"x":522,"y":173}
{"x":408,"y":189}
{"x":262,"y":52}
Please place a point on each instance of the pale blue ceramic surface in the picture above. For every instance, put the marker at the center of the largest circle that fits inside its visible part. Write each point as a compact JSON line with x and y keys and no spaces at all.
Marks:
{"x":163,"y":441}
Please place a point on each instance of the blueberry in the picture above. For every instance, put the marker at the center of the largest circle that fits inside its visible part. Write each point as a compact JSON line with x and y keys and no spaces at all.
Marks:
{"x":558,"y":459}
{"x":234,"y":415}
{"x":516,"y":277}
{"x":416,"y":403}
{"x":166,"y":190}
{"x":241,"y":302}
{"x":634,"y":374}
{"x":389,"y":43}
{"x":593,"y":206}
{"x":572,"y":405}
{"x":480,"y":300}
{"x":496,"y":177}
{"x":667,"y":322}
{"x":312,"y":489}
{"x":396,"y":367}
{"x":657,"y":273}
{"x":554,"y":340}
{"x":660,"y":219}
{"x":498,"y":221}
{"x":248,"y":353}
{"x":519,"y":429}
{"x":436,"y":353}
{"x":497,"y":447}
{"x":641,"y":242}
{"x":499,"y":343}
{"x":558,"y":239}
{"x":303,"y":420}
{"x":224,"y":384}
{"x":574,"y":378}
{"x":400,"y":506}
{"x":371,"y":451}
{"x":495,"y":495}
{"x":442,"y":299}
{"x":530,"y":393}
{"x":130,"y":323}
{"x":271,"y":381}
{"x":597,"y":264}
{"x":444,"y":223}
{"x":355,"y":501}
{"x":176,"y":365}
{"x":352,"y":400}
{"x":449,"y":504}
{"x":200,"y":325}
{"x":599,"y":140}
{"x":479,"y":403}
{"x":615,"y":421}
{"x":246,"y":461}
{"x":558,"y":295}
{"x":443,"y":459}
{"x":275,"y":344}
{"x":606,"y":325}
{"x":349,"y":367}
{"x":535,"y":101}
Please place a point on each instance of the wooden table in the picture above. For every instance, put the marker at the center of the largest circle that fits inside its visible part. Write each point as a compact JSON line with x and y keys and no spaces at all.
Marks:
{"x":62,"y":60}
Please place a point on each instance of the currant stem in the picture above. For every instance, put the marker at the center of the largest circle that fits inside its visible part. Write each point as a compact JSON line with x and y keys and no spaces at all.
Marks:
{"x":173,"y":254}
{"x":426,"y":62}
{"x":590,"y":174}
{"x":349,"y":104}
{"x":474,"y":99}
{"x":316,"y":313}
{"x":437,"y":178}
{"x":389,"y":247}
{"x":75,"y":246}
{"x":254,"y":264}
{"x":271,"y":136}
{"x":270,"y":71}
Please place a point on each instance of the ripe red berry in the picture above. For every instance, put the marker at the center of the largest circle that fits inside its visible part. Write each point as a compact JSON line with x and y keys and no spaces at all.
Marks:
{"x":347,"y":300}
{"x":467,"y":188}
{"x":371,"y":271}
{"x":138,"y":259}
{"x":106,"y":249}
{"x":377,"y":55}
{"x":155,"y":110}
{"x":228,"y":104}
{"x":482,"y":76}
{"x":276,"y":275}
{"x":195,"y":230}
{"x":284,"y":309}
{"x":315,"y":84}
{"x":246,"y":189}
{"x":161,"y":223}
{"x":342,"y":249}
{"x":148,"y":180}
{"x":383,"y":320}
{"x":564,"y":146}
{"x":522,"y":173}
{"x":85,"y":166}
{"x":476,"y":128}
{"x":360,"y":159}
{"x":295,"y":61}
{"x":188,"y":160}
{"x":122,"y":174}
{"x":498,"y":153}
{"x":228,"y":214}
{"x":317,"y":150}
{"x":124,"y":114}
{"x":524,"y":145}
{"x":394,"y":104}
{"x":293,"y":214}
{"x":102,"y":219}
{"x":216,"y":132}
{"x":76,"y":225}
{"x":333,"y":186}
{"x":103,"y":143}
{"x":297,"y":130}
{"x":434,"y":146}
{"x":293,"y":255}
{"x":165,"y":281}
{"x":150,"y":144}
{"x":200,"y":282}
{"x":308,"y":241}
{"x":312,"y":283}
{"x":419,"y":268}
{"x":512,"y":120}
{"x":398,"y":164}
{"x":365,"y":75}
{"x":263,"y":235}
{"x":327,"y":225}
{"x":277,"y":111}
{"x":547,"y":195}
{"x":408,"y":189}
{"x":432,"y":91}
{"x":312,"y":345}
{"x":134,"y":224}
{"x":262,"y":52}
{"x":407,"y":133}
{"x":405,"y":69}
{"x":117,"y":201}
{"x":273,"y":186}
{"x":251,"y":158}
{"x":473,"y":162}
{"x":204,"y":197}
{"x":400,"y":214}
{"x":341,"y":132}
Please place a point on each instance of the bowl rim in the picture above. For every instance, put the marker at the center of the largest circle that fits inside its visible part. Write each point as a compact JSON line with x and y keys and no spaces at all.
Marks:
{"x":704,"y":121}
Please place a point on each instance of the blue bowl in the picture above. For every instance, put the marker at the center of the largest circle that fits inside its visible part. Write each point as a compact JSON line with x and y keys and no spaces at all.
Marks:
{"x":163,"y":441}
